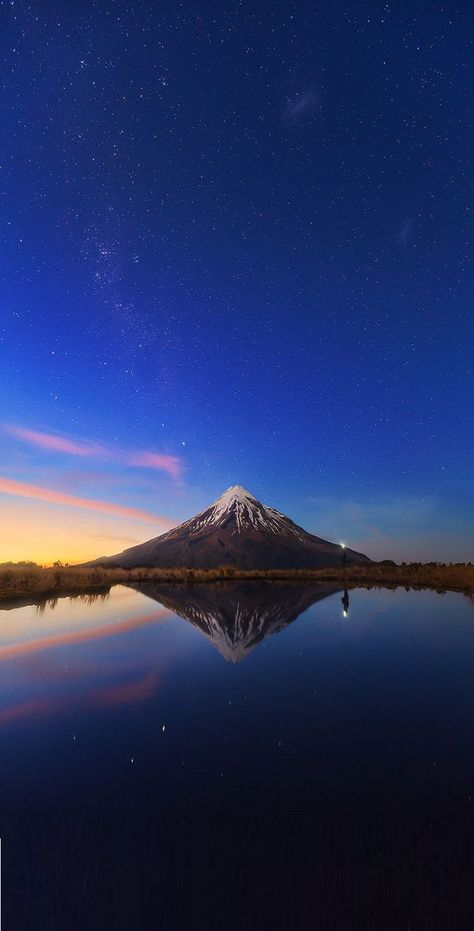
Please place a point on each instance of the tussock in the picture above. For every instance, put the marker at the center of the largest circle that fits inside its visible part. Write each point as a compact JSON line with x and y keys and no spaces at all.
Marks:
{"x":35,"y":583}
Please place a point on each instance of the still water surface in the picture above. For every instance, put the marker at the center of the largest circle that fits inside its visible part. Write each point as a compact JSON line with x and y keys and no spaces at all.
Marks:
{"x":274,"y":703}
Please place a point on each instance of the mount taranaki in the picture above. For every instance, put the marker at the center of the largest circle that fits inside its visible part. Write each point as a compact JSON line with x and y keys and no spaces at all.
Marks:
{"x":237,"y":530}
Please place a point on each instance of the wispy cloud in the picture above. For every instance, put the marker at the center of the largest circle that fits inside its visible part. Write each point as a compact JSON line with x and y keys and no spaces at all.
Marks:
{"x":25,"y":490}
{"x":170,"y":464}
{"x":54,"y":442}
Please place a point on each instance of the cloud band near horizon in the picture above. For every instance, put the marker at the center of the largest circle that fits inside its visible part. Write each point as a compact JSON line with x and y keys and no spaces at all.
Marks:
{"x":25,"y":490}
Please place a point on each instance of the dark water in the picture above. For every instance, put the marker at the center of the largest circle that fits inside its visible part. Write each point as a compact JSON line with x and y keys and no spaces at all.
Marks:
{"x":248,"y":755}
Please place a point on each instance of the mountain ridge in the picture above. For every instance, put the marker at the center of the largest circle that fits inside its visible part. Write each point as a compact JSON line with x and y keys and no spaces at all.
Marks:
{"x":236,"y":530}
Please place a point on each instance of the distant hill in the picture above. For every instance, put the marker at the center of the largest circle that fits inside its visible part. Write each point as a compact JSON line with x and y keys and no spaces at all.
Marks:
{"x":240,"y":531}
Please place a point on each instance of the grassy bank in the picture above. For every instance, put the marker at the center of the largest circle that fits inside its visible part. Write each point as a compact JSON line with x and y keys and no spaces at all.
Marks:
{"x":31,"y":583}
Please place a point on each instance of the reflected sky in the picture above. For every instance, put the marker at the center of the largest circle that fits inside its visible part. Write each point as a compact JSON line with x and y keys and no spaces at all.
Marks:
{"x":75,"y":652}
{"x":188,"y":696}
{"x":67,"y":615}
{"x":91,"y":650}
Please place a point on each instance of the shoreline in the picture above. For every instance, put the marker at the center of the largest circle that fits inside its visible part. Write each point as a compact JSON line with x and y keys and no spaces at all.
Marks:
{"x":20,"y":587}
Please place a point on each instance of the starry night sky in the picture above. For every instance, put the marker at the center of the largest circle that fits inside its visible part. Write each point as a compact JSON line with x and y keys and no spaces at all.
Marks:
{"x":236,"y":247}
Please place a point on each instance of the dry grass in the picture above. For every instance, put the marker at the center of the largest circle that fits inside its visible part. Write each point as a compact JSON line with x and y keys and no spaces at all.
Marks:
{"x":25,"y":583}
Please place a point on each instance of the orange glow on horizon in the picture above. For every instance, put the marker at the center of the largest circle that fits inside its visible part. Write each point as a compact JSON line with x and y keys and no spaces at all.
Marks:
{"x":45,"y":531}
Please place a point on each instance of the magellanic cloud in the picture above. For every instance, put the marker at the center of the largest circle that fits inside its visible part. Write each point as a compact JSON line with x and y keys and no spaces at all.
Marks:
{"x":25,"y":490}
{"x":53,"y":442}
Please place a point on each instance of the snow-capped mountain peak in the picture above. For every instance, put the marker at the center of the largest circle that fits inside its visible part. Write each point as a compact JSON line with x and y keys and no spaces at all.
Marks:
{"x":241,"y":504}
{"x":234,"y":493}
{"x":237,"y":530}
{"x":237,"y":508}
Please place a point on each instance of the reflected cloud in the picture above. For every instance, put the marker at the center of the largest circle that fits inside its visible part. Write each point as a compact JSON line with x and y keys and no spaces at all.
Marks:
{"x":129,"y":692}
{"x":25,"y":709}
{"x":47,"y":671}
{"x":106,"y":697}
{"x":234,"y":616}
{"x":14,"y":650}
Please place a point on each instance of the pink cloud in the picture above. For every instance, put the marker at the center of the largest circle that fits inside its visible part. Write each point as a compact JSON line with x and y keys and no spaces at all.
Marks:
{"x":60,"y":444}
{"x":170,"y":464}
{"x":52,"y":442}
{"x":25,"y":490}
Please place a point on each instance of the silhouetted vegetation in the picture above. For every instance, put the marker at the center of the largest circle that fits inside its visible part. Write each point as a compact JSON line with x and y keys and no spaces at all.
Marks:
{"x":23,"y":563}
{"x":19,"y":582}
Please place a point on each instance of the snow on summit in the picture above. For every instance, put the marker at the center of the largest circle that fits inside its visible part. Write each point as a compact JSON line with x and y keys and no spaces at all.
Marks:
{"x":234,"y":493}
{"x":242,"y":503}
{"x":238,"y":508}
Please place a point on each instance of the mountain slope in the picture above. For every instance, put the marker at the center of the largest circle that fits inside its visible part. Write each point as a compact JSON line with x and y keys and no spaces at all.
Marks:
{"x":236,"y":530}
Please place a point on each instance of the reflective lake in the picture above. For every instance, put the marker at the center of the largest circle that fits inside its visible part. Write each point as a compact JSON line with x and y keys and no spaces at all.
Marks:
{"x":254,"y":750}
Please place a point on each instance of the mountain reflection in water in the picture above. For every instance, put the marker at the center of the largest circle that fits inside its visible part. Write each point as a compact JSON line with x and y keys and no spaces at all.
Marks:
{"x":135,"y":763}
{"x":97,"y":650}
{"x":236,"y":616}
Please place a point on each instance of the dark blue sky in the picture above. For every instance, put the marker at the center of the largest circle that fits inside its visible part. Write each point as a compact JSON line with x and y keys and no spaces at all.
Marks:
{"x":240,"y":235}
